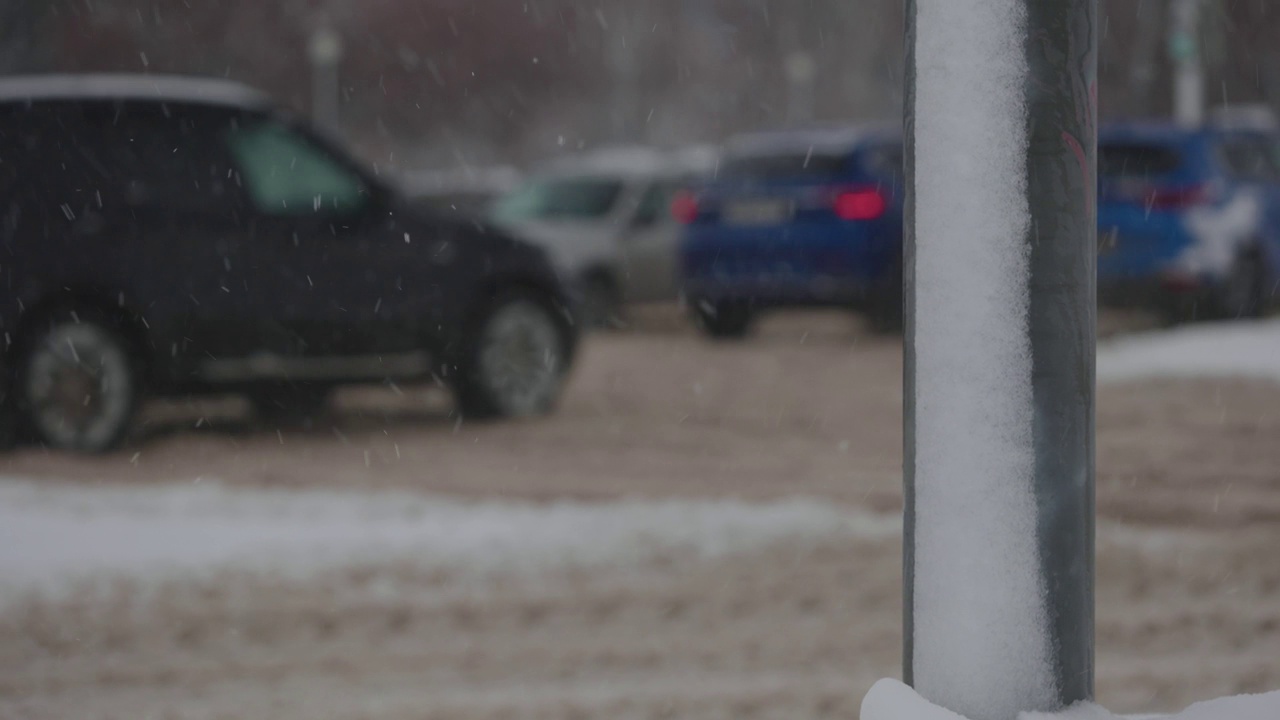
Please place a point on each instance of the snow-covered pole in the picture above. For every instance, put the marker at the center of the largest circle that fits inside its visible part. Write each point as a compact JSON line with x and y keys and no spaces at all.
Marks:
{"x":999,"y":376}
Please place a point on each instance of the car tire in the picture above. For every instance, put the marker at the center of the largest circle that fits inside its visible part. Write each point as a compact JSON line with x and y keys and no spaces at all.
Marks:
{"x":515,"y":360}
{"x":1243,"y":294}
{"x":77,"y":383}
{"x":725,"y":320}
{"x":290,"y":403}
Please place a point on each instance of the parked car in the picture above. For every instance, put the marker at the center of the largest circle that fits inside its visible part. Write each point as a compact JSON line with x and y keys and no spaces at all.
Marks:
{"x":796,"y":218}
{"x":604,"y":216}
{"x":467,"y":191}
{"x":170,"y":235}
{"x":1189,"y":219}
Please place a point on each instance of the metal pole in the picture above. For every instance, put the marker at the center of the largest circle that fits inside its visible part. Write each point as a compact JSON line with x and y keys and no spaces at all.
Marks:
{"x":951,"y":597}
{"x":1184,"y":50}
{"x":801,"y":73}
{"x":1063,"y":240}
{"x":325,"y":52}
{"x":624,"y":60}
{"x":1143,"y":59}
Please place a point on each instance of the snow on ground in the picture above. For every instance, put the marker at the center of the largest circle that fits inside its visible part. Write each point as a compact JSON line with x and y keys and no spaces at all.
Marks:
{"x":1240,"y":349}
{"x":892,"y":700}
{"x":51,"y":534}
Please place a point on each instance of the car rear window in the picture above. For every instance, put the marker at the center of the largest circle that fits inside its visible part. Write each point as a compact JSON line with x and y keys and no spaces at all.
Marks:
{"x":560,"y":199}
{"x":884,"y":161}
{"x":1131,"y":160}
{"x":807,"y":164}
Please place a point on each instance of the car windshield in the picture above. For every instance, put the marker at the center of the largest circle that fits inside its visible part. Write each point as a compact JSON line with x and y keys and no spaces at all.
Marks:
{"x":560,"y":199}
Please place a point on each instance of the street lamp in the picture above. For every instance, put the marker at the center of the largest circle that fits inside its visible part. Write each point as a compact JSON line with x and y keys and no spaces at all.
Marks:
{"x":801,"y":72}
{"x":1184,"y":51}
{"x":325,"y":52}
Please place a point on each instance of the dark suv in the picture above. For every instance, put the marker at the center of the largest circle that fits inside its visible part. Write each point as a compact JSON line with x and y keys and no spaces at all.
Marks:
{"x":172,"y":235}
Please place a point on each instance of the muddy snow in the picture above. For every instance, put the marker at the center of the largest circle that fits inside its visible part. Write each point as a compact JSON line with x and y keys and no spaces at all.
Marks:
{"x":703,"y":531}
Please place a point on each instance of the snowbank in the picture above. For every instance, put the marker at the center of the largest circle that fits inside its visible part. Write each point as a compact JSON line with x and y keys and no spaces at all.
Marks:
{"x":1240,"y":349}
{"x":891,"y":700}
{"x":51,"y":535}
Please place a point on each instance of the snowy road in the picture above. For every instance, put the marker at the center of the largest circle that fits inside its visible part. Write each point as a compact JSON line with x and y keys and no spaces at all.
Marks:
{"x":703,"y":531}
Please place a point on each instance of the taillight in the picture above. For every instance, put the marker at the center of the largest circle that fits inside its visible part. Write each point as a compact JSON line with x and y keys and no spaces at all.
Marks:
{"x":859,"y":204}
{"x":684,"y":207}
{"x":1177,"y":198}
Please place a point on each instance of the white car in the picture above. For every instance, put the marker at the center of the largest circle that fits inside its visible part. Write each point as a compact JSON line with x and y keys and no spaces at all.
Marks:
{"x":604,"y":217}
{"x":464,"y":190}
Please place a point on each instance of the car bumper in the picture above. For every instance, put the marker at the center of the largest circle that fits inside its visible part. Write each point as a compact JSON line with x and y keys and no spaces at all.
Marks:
{"x":1166,"y":290}
{"x":782,"y":291}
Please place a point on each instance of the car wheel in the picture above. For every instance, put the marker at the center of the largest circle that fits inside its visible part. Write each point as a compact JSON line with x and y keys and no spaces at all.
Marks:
{"x":724,"y":321}
{"x":77,"y":383}
{"x":1244,"y":292}
{"x":290,"y":403}
{"x":600,"y":304}
{"x":517,"y":360}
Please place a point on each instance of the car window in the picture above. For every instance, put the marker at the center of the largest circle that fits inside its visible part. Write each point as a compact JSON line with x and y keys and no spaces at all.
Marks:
{"x":124,"y":154}
{"x":654,"y":203}
{"x":1136,"y":160}
{"x":1251,"y":159}
{"x":883,"y":161}
{"x":286,"y":173}
{"x":560,"y":199}
{"x":157,"y":155}
{"x":24,"y":142}
{"x":804,"y":164}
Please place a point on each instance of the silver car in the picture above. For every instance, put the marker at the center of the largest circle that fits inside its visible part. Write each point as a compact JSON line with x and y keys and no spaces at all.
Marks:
{"x":604,"y":217}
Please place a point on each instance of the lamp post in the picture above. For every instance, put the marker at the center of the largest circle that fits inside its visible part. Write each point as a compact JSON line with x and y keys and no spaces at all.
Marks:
{"x":801,"y":73}
{"x":325,"y":52}
{"x":1184,"y":52}
{"x":999,"y":256}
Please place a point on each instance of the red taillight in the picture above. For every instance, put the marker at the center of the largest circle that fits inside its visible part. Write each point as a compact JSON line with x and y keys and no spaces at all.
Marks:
{"x":859,"y":204}
{"x":684,"y":207}
{"x":1179,"y":281}
{"x":1176,"y":198}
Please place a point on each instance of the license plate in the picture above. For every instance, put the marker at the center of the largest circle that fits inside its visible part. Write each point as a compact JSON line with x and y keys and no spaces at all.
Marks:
{"x":757,"y":212}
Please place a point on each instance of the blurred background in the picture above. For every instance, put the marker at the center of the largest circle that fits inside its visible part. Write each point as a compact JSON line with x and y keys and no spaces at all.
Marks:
{"x":458,"y":82}
{"x":705,"y":527}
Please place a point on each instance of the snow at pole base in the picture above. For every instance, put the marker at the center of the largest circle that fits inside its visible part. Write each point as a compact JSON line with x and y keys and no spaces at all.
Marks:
{"x":891,"y":700}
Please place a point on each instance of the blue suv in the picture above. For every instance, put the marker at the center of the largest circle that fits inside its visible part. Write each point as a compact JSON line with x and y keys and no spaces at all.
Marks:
{"x":798,"y":218}
{"x":1189,"y":219}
